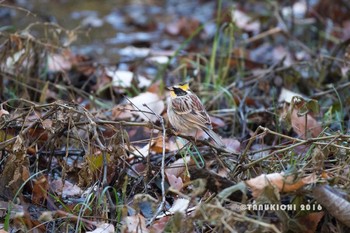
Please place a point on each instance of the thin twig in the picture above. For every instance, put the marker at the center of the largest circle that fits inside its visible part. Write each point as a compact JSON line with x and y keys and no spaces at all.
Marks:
{"x":162,"y":170}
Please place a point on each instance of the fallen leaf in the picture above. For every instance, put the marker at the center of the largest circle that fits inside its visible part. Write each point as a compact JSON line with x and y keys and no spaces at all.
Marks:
{"x":175,"y":182}
{"x":300,"y":126}
{"x":103,"y":228}
{"x":58,"y":62}
{"x":287,"y":95}
{"x":159,"y":225}
{"x":40,"y":188}
{"x":244,"y":21}
{"x":177,"y":168}
{"x":120,"y":78}
{"x":170,"y":145}
{"x":310,"y":221}
{"x":135,"y":224}
{"x":68,"y":190}
{"x":278,"y":180}
{"x":184,"y":26}
{"x":180,"y":205}
{"x":232,"y":144}
{"x":15,"y":173}
{"x":121,"y":112}
{"x":153,"y":102}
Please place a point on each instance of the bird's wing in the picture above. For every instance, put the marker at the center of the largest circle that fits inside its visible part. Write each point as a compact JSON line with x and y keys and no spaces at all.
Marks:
{"x":192,"y":108}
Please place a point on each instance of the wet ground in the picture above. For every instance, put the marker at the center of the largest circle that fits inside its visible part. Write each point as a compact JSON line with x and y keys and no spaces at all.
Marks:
{"x":104,"y":27}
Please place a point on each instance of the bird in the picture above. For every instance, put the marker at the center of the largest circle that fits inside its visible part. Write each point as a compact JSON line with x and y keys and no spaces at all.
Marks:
{"x":186,"y":112}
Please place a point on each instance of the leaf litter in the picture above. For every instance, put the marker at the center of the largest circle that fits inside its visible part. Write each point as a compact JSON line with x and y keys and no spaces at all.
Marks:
{"x":84,"y":138}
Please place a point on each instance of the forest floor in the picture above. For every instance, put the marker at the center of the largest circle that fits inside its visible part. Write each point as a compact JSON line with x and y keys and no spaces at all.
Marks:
{"x":85,"y":141}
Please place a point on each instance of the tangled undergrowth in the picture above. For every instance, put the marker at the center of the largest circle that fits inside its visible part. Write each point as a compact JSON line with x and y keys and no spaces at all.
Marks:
{"x":86,"y":147}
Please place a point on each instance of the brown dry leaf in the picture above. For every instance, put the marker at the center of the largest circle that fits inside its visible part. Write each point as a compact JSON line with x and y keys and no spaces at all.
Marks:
{"x":15,"y":173}
{"x":16,"y":40}
{"x":336,"y":10}
{"x":175,"y":182}
{"x":122,"y":112}
{"x":154,"y":103}
{"x":40,"y":188}
{"x":282,"y":183}
{"x":298,"y":124}
{"x":38,"y":134}
{"x":177,"y":168}
{"x":83,"y":65}
{"x":18,"y":145}
{"x":137,"y":170}
{"x":159,"y":225}
{"x":310,"y":221}
{"x":135,"y":224}
{"x":184,"y":26}
{"x":68,"y":190}
{"x":154,"y":88}
{"x":299,"y":184}
{"x":157,"y":145}
{"x":232,"y":144}
{"x":24,"y":220}
{"x":176,"y":171}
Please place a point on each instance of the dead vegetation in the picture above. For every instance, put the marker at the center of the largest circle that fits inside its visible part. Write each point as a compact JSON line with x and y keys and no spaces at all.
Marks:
{"x":86,"y":146}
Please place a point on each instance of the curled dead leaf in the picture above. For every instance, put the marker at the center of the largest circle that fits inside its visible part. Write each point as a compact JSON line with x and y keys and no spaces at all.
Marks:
{"x":278,"y":180}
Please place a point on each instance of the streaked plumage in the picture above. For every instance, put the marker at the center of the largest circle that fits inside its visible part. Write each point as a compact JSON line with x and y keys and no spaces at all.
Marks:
{"x":187,"y":114}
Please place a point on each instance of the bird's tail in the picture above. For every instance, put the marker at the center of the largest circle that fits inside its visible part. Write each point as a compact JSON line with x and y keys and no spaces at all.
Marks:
{"x":216,"y":138}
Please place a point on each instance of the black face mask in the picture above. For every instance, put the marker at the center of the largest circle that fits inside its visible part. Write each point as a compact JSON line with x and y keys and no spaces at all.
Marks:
{"x":179,"y":91}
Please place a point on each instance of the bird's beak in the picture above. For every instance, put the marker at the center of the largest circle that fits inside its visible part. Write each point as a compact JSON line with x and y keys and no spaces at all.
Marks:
{"x":169,"y":88}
